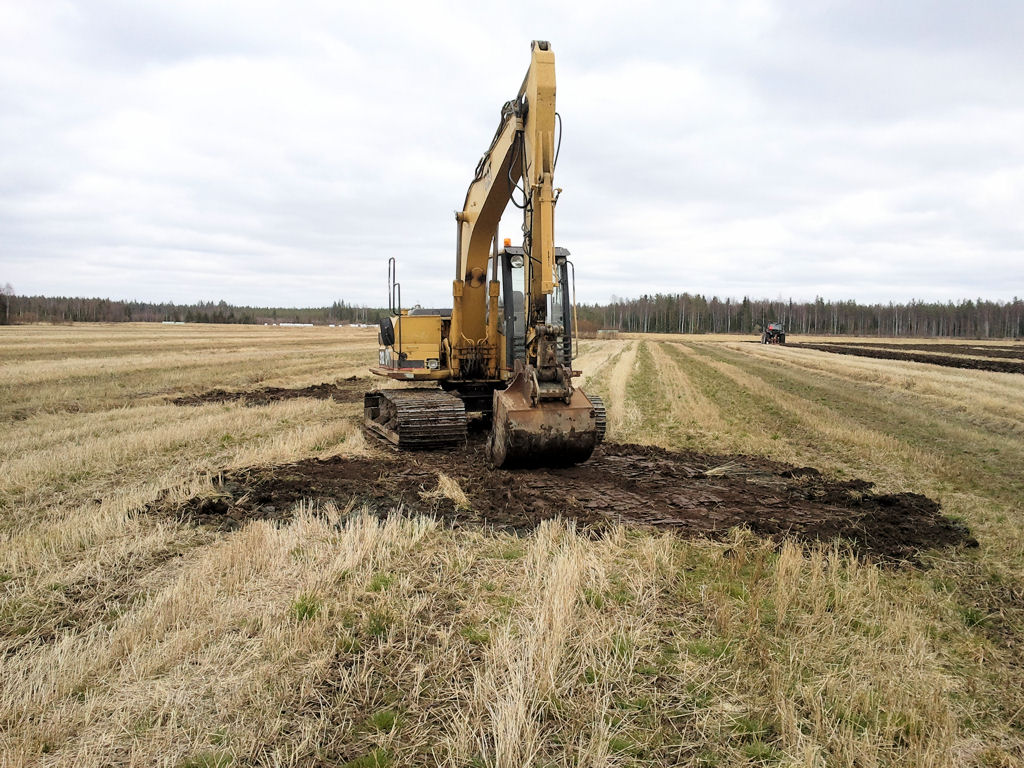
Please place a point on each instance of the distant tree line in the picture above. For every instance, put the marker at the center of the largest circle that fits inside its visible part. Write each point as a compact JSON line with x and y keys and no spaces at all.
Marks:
{"x":686,"y":313}
{"x":661,"y":313}
{"x":64,"y":309}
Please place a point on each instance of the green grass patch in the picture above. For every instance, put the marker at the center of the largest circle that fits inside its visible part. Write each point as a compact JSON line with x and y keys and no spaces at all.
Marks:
{"x":378,"y":758}
{"x":475,"y":635}
{"x":624,"y":745}
{"x":623,"y":646}
{"x":306,"y":607}
{"x":378,"y":624}
{"x":708,"y":649}
{"x":761,"y":752}
{"x":383,"y":720}
{"x":593,"y":598}
{"x":381,"y":582}
{"x":214,"y":759}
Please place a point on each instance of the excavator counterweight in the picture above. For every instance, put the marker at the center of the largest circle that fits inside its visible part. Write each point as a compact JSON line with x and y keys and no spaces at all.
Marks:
{"x":505,"y":348}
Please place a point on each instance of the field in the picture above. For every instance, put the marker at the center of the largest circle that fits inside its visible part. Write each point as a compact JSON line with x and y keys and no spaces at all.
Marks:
{"x":204,"y":562}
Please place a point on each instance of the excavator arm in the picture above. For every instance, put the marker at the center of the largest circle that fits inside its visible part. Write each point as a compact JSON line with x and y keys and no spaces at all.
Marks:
{"x":522,"y":151}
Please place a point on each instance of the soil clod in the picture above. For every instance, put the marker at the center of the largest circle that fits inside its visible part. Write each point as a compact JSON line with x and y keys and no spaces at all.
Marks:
{"x":690,"y":493}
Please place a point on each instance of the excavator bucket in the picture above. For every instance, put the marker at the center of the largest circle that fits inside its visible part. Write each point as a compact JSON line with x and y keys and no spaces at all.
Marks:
{"x":532,"y":432}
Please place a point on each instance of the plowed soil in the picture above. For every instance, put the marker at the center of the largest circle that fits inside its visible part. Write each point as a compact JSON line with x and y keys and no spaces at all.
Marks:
{"x":348,"y":390}
{"x":1010,"y":351}
{"x":950,"y":361}
{"x":690,"y":493}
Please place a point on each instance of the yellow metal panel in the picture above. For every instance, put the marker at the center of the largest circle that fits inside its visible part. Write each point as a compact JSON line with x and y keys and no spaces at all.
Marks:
{"x":418,"y":329}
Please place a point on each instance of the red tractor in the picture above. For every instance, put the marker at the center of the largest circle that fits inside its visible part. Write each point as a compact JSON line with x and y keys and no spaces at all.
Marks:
{"x":774,"y":334}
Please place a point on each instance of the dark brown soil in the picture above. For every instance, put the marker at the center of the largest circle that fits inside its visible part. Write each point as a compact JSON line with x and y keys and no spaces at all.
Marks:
{"x":878,"y":351}
{"x":1010,"y":351}
{"x":634,"y":485}
{"x":348,"y":390}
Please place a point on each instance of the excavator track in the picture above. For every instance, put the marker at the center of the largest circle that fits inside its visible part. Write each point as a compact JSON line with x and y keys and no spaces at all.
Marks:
{"x":601,"y":416}
{"x":416,"y":418}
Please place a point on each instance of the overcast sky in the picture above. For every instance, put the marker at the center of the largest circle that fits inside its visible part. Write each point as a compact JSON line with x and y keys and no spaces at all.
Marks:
{"x":280,"y":153}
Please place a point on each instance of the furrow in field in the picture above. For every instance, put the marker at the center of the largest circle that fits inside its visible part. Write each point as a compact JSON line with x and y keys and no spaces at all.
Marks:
{"x":880,"y":397}
{"x":106,"y":389}
{"x":647,"y":416}
{"x":675,"y":412}
{"x":745,"y":427}
{"x":592,"y":359}
{"x":989,"y":399}
{"x":619,"y":413}
{"x":140,"y":457}
{"x":815,"y":428}
{"x":967,"y":452}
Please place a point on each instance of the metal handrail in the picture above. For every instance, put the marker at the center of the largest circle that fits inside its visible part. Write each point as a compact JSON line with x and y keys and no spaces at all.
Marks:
{"x":395,"y":300}
{"x":575,"y":318}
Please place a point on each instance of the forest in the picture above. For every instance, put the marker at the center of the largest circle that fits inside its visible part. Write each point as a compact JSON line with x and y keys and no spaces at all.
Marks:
{"x":661,"y":313}
{"x":687,"y":313}
{"x":16,"y":309}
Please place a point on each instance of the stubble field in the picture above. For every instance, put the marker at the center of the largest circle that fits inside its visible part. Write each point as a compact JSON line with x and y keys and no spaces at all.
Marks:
{"x":161,"y":606}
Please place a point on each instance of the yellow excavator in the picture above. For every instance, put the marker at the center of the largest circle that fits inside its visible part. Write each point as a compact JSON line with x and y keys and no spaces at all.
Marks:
{"x":504,"y":350}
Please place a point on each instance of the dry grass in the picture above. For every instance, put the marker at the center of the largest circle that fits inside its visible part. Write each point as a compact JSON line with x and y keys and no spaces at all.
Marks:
{"x":448,"y":488}
{"x":357,"y":639}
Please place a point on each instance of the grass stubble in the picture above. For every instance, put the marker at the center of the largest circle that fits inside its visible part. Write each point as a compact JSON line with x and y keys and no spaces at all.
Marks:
{"x":374,"y":637}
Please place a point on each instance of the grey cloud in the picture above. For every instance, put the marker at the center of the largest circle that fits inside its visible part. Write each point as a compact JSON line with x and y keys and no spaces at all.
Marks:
{"x":280,"y":154}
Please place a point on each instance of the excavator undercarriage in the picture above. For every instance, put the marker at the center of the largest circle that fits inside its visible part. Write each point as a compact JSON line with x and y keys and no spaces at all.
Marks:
{"x":416,"y":418}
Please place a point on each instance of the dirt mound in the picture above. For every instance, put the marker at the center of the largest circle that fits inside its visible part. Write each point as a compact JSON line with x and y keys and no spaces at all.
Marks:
{"x":348,"y":390}
{"x":1003,"y":366}
{"x":693,"y":494}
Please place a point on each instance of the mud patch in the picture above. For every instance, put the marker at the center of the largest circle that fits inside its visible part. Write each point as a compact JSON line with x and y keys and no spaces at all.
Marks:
{"x":950,"y":361}
{"x":692,"y":494}
{"x":348,"y":390}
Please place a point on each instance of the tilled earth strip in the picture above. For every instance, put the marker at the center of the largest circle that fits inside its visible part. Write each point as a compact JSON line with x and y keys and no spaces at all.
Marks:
{"x":1004,"y":351}
{"x":950,"y":361}
{"x":348,"y":390}
{"x":689,"y":493}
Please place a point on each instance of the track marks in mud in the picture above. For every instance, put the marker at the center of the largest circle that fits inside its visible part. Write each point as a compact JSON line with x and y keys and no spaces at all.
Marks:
{"x":690,"y":493}
{"x":348,"y":390}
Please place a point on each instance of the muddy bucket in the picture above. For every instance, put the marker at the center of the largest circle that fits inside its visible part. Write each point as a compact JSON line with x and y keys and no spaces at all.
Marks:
{"x":551,"y":433}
